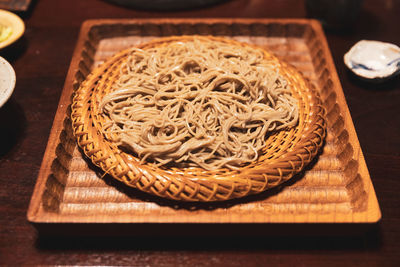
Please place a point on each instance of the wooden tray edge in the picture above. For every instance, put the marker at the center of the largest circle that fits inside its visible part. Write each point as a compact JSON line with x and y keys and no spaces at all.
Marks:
{"x":34,"y":206}
{"x":372,"y":198}
{"x":56,"y":128}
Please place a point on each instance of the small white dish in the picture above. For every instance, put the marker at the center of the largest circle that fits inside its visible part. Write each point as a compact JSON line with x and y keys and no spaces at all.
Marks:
{"x":7,"y":81}
{"x":373,"y":59}
{"x":14,"y":23}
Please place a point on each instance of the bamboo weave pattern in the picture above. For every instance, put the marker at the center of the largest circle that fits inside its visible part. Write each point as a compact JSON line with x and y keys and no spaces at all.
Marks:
{"x":286,"y":153}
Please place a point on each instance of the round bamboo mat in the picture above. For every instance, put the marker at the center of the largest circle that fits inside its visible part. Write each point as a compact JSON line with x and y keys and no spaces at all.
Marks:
{"x":286,"y":153}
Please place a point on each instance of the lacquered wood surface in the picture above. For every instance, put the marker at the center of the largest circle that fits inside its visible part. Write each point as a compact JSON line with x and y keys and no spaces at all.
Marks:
{"x":41,"y":60}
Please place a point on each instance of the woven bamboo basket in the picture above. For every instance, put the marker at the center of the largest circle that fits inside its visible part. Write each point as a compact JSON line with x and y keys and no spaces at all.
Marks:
{"x":286,"y":153}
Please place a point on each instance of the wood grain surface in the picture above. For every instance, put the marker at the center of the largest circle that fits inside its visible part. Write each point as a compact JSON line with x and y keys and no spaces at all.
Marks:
{"x":41,"y":60}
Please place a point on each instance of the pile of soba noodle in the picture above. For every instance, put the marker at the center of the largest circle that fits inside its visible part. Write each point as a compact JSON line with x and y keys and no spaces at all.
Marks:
{"x":198,"y":103}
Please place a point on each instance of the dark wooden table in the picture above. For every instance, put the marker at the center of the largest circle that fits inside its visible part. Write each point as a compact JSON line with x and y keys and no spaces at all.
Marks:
{"x":41,"y":60}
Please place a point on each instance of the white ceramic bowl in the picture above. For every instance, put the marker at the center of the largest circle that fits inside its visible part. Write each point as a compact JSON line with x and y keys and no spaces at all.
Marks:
{"x":7,"y":81}
{"x":373,"y":60}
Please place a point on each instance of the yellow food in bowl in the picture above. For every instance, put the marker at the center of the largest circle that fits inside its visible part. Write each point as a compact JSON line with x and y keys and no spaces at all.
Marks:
{"x":5,"y":32}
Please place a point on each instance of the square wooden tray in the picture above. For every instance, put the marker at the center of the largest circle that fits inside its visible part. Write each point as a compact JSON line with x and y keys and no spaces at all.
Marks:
{"x":336,"y":189}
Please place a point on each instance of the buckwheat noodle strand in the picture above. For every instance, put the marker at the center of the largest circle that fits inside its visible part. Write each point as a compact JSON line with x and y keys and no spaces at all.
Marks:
{"x":207,"y":104}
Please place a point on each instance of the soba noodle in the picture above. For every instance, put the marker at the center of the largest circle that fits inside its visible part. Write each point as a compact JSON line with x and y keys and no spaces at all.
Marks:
{"x":207,"y":104}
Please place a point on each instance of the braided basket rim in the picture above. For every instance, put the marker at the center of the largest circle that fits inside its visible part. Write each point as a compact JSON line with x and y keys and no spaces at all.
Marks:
{"x":289,"y":151}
